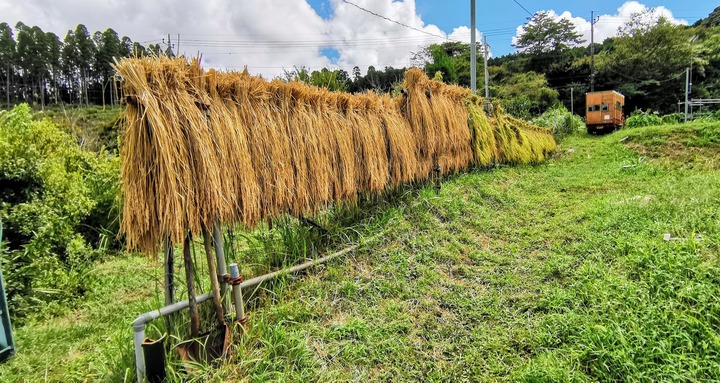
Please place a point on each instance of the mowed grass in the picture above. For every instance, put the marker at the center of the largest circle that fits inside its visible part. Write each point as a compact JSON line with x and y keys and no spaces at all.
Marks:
{"x":549,"y":273}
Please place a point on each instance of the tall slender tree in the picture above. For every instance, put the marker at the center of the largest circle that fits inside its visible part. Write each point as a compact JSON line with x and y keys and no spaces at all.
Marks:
{"x":52,"y":56}
{"x":69,"y":62}
{"x":7,"y":59}
{"x":108,"y":47}
{"x":85,"y":54}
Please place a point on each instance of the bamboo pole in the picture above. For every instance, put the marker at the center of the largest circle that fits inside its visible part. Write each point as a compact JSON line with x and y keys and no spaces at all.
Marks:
{"x":214,"y":283}
{"x":190,"y":280}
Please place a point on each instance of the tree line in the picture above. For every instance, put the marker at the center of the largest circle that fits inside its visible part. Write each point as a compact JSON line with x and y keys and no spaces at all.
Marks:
{"x":646,"y":61}
{"x":38,"y":68}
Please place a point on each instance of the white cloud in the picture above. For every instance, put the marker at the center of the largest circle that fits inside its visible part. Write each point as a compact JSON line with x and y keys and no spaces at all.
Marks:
{"x":267,"y":36}
{"x":607,"y":25}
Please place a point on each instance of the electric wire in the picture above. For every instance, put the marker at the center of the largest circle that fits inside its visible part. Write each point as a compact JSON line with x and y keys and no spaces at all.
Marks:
{"x":391,"y":20}
{"x":525,"y":9}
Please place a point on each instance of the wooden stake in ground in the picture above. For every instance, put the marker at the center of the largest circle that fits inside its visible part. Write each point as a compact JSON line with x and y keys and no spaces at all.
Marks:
{"x":214,"y":283}
{"x":190,"y":279}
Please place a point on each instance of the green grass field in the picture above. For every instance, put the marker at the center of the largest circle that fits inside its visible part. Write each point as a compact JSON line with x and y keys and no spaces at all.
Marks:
{"x":552,"y":273}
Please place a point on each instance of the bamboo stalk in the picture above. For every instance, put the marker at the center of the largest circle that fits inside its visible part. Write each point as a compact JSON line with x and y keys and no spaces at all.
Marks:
{"x":212,"y":268}
{"x":190,"y":280}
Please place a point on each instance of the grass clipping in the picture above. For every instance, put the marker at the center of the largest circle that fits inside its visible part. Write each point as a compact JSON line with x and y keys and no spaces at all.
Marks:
{"x":204,"y":145}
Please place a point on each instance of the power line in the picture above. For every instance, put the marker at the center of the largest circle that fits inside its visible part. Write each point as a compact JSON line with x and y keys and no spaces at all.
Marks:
{"x":521,"y":6}
{"x":391,"y":20}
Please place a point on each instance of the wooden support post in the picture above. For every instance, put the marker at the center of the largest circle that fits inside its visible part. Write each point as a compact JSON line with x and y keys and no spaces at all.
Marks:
{"x":214,"y":283}
{"x":220,"y":256}
{"x":169,"y":269}
{"x":190,"y":280}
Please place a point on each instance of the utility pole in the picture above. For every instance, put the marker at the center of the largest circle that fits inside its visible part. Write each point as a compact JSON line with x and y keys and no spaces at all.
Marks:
{"x":572,"y":100}
{"x":593,"y":20}
{"x":177,"y":44}
{"x":687,"y":90}
{"x":487,"y":73}
{"x":170,"y":46}
{"x":473,"y":49}
{"x":688,"y":78}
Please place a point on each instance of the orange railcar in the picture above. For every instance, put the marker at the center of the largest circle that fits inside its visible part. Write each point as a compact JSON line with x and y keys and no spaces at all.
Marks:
{"x":604,"y":111}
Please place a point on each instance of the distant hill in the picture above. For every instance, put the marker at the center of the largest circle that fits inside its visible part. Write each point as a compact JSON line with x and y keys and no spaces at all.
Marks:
{"x":712,"y":20}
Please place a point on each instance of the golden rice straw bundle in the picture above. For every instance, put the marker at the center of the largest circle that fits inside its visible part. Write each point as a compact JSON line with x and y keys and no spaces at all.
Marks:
{"x":371,"y":150}
{"x":415,"y":106}
{"x":321,"y":148}
{"x":243,"y":197}
{"x":344,"y":156}
{"x":200,"y":146}
{"x":162,"y":164}
{"x":450,"y":109}
{"x":538,"y":140}
{"x":519,"y":142}
{"x":401,"y":144}
{"x":484,"y":145}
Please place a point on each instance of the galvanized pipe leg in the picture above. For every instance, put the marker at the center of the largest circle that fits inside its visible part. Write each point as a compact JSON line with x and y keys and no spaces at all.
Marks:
{"x":235,"y":280}
{"x":138,"y":338}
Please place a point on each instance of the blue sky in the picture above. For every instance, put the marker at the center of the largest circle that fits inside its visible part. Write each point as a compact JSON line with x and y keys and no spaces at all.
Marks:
{"x":500,"y":18}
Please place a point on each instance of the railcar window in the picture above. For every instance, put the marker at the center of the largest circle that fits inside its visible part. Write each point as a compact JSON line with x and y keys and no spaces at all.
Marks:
{"x":593,"y":108}
{"x":604,"y":107}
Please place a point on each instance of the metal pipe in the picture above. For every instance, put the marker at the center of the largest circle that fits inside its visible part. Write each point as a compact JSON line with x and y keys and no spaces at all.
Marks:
{"x":473,"y":49}
{"x":687,"y":88}
{"x":486,"y":49}
{"x":237,"y":292}
{"x":264,"y":278}
{"x":139,"y":323}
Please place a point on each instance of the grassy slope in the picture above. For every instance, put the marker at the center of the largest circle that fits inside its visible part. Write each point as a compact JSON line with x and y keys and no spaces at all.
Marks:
{"x":556,"y":272}
{"x":548,"y":273}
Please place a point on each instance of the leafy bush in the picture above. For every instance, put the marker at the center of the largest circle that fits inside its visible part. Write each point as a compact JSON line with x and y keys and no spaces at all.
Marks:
{"x":57,"y":204}
{"x":560,"y":120}
{"x":524,"y":95}
{"x":673,"y":118}
{"x":520,"y":107}
{"x":641,"y":118}
{"x":706,"y":116}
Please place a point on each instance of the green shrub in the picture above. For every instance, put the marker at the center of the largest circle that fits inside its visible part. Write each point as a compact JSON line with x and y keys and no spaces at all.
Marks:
{"x":560,"y":120}
{"x":57,"y":204}
{"x":640,"y":118}
{"x":673,"y":118}
{"x":520,"y":107}
{"x":706,"y":116}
